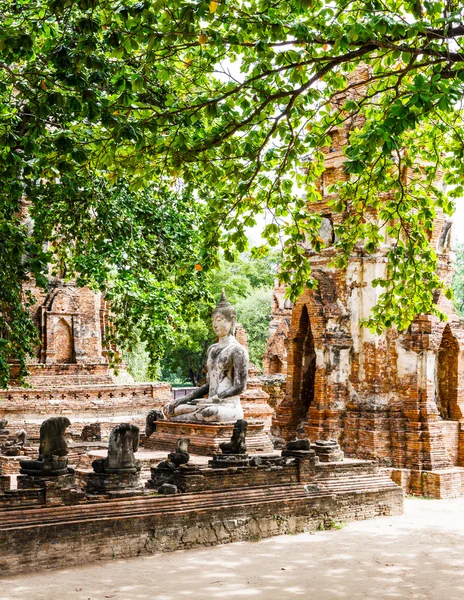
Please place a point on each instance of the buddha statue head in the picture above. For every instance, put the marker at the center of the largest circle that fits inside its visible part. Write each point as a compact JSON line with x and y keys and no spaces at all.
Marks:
{"x":224,"y":317}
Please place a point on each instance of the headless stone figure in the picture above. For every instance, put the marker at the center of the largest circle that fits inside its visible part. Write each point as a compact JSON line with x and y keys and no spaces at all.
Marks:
{"x":123,"y":442}
{"x":3,"y":424}
{"x":227,"y":371}
{"x":52,"y":450}
{"x":14,"y":447}
{"x":237,"y":444}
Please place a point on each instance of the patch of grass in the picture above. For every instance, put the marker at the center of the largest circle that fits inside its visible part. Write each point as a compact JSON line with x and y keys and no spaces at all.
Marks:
{"x":327,"y":525}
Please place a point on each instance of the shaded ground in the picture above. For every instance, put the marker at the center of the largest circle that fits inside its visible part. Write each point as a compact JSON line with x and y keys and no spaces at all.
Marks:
{"x":419,"y":555}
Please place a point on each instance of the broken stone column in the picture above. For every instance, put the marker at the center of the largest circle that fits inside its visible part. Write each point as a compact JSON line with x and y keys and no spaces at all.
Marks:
{"x":328,"y":451}
{"x":305,"y":456}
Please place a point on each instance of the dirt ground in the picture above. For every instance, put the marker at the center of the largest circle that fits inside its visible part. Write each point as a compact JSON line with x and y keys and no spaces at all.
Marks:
{"x":419,"y":555}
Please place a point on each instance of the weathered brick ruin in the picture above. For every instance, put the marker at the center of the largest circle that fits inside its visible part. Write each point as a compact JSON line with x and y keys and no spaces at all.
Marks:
{"x":80,"y":516}
{"x":70,"y":374}
{"x":108,"y":493}
{"x":396,"y":397}
{"x":63,"y":505}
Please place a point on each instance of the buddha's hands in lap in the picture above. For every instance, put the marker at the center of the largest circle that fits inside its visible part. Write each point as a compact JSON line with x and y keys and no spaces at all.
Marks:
{"x":174,"y":404}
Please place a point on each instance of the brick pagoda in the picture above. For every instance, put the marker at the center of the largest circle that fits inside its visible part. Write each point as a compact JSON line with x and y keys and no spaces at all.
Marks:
{"x":395,"y":397}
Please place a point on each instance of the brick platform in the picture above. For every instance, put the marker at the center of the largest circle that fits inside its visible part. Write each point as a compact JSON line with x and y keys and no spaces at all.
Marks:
{"x":42,"y":537}
{"x":440,"y":484}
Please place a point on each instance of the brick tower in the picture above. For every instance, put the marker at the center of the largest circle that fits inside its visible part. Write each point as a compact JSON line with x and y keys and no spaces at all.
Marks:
{"x":395,"y":397}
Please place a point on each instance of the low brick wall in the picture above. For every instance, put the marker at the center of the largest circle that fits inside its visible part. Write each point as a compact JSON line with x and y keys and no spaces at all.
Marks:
{"x":193,"y":520}
{"x":85,"y":405}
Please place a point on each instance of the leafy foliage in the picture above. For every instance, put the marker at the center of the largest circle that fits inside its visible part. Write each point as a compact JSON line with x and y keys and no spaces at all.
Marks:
{"x":142,"y":248}
{"x":232,"y":99}
{"x":255,"y":315}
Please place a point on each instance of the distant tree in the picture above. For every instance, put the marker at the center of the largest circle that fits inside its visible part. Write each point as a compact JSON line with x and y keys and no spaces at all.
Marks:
{"x":255,"y":316}
{"x":458,"y":280}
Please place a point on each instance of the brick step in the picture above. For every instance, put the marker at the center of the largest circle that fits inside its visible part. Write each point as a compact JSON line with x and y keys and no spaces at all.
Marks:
{"x":181,"y":504}
{"x":352,"y":480}
{"x":157,"y":503}
{"x":184,"y":503}
{"x":343,"y":470}
{"x":356,"y":487}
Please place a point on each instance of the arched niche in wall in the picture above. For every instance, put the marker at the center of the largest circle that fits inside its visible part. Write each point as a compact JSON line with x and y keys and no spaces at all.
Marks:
{"x":304,"y":357}
{"x":447,"y":376}
{"x":63,"y":342}
{"x":275,"y":365}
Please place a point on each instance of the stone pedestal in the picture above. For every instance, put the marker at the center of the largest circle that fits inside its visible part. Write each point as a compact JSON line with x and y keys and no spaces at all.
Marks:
{"x":59,"y":489}
{"x":103,"y":483}
{"x":227,"y":461}
{"x":205,"y":438}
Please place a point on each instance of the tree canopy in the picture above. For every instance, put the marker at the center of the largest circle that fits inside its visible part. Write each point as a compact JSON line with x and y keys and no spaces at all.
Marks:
{"x":231,"y":101}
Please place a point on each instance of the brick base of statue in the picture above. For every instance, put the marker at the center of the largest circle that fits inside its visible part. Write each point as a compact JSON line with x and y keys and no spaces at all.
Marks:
{"x":205,"y":438}
{"x":272,"y":496}
{"x":101,"y":483}
{"x":57,"y":490}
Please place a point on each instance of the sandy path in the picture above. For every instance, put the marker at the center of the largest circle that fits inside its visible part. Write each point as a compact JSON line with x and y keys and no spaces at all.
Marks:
{"x":419,"y":555}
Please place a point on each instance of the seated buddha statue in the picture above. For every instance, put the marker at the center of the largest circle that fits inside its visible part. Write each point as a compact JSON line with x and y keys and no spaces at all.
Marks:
{"x":226,"y":377}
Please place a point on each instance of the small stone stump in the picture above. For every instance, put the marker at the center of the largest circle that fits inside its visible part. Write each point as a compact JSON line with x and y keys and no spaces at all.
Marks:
{"x":163,"y":475}
{"x":234,"y":453}
{"x":328,"y":451}
{"x":305,"y":456}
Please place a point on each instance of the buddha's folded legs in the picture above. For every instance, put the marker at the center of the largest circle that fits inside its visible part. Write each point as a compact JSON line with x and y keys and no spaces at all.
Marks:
{"x":208,"y":413}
